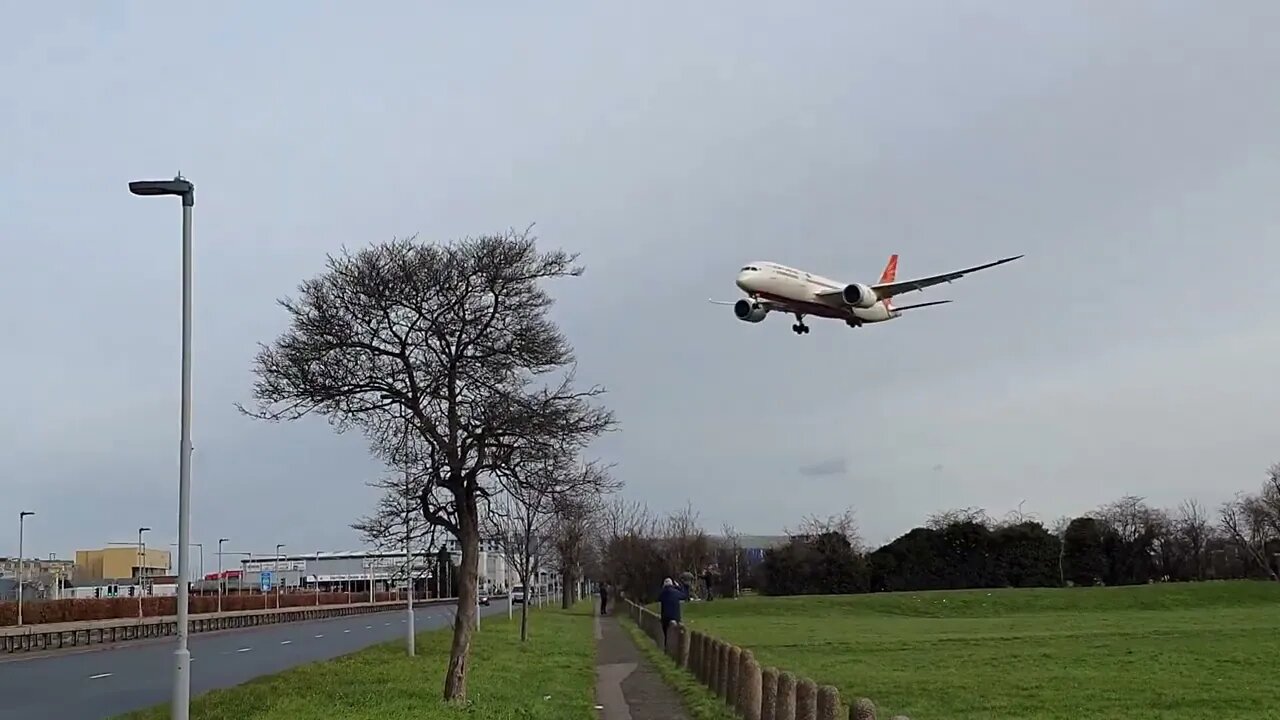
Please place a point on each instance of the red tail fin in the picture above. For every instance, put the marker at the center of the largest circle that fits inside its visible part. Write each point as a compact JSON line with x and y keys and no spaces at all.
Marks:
{"x":890,"y":273}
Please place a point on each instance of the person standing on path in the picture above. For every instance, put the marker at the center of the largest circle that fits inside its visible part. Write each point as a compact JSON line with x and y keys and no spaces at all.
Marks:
{"x":604,"y":599}
{"x":670,"y":599}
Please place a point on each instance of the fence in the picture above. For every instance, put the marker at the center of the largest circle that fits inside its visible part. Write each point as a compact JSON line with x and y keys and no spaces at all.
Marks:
{"x":733,"y":674}
{"x":124,"y":608}
{"x":51,"y":636}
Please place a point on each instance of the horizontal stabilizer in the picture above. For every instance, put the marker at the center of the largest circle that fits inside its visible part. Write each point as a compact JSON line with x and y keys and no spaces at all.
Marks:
{"x":721,"y":302}
{"x":920,"y":305}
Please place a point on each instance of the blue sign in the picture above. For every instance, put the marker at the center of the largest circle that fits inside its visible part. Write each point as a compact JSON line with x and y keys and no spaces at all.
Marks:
{"x":265,"y":580}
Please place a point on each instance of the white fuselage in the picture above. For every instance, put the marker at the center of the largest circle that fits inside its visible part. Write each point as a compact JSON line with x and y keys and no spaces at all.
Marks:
{"x":799,"y":290}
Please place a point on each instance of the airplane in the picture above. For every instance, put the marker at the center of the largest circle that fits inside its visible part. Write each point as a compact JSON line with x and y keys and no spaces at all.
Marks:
{"x":771,"y":287}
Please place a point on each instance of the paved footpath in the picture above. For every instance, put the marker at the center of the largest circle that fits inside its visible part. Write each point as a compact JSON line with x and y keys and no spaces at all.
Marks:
{"x":628,"y":687}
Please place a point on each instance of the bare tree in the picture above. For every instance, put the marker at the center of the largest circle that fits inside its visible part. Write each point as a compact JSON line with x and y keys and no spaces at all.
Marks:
{"x":456,"y":341}
{"x":945,"y":518}
{"x":397,"y":520}
{"x":574,"y":520}
{"x":844,"y":523}
{"x":733,"y":544}
{"x":1193,"y":532}
{"x":519,"y":522}
{"x":1244,"y":522}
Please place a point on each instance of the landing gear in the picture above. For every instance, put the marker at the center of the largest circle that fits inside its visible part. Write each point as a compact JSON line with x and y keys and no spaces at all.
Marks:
{"x":800,"y":328}
{"x":853,"y":323}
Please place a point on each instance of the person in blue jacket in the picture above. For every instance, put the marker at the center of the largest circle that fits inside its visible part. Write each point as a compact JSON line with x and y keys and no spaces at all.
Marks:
{"x":670,"y":598}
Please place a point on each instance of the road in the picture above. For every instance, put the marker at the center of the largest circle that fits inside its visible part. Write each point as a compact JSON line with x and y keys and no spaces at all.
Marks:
{"x":103,"y":682}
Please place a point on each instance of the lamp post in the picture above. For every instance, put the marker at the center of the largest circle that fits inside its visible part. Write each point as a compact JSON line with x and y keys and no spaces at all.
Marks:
{"x":200,"y":573}
{"x":317,"y":578}
{"x":184,"y":189}
{"x":142,"y":561}
{"x":278,"y":579}
{"x":22,"y":516}
{"x":221,"y":580}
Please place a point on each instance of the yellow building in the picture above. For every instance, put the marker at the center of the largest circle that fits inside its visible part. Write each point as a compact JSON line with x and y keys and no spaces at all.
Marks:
{"x":118,"y":563}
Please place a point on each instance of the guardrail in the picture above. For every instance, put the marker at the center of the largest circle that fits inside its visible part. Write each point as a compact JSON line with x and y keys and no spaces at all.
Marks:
{"x":52,"y":636}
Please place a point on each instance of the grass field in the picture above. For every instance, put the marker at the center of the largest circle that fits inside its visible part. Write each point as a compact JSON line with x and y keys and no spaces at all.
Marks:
{"x":1173,"y":651}
{"x":551,"y":677}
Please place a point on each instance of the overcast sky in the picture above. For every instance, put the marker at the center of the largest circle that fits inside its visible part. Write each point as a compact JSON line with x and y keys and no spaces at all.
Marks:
{"x":1131,"y":150}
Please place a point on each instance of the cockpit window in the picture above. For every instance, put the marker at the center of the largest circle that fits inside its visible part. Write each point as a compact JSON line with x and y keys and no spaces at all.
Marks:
{"x":751,"y":268}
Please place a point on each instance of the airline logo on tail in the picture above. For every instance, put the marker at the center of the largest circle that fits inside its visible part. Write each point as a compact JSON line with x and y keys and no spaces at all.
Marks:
{"x":889,"y":275}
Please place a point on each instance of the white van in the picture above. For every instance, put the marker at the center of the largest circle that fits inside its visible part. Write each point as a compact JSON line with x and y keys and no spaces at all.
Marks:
{"x":517,"y":594}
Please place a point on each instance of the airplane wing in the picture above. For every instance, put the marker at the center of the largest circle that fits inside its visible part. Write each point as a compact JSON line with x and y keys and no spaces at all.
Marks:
{"x":891,"y":289}
{"x":920,"y":305}
{"x":770,"y":304}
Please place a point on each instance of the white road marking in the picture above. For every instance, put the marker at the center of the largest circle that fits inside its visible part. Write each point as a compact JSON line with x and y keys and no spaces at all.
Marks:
{"x":320,"y":636}
{"x":244,"y":649}
{"x":368,"y":627}
{"x":346,"y":631}
{"x":285,"y":642}
{"x":388,"y":624}
{"x":99,"y":676}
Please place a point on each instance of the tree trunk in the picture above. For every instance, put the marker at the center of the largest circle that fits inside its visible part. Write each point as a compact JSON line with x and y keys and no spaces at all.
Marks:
{"x":568,"y":580}
{"x":524,"y":606}
{"x":524,"y":613}
{"x":455,"y":678}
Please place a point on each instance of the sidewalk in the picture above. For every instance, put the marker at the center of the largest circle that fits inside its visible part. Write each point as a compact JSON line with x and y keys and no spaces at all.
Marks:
{"x":627,"y":685}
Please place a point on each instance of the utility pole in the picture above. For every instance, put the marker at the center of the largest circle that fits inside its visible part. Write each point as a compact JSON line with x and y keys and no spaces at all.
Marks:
{"x":277,"y":578}
{"x":22,"y":516}
{"x":142,"y":560}
{"x":221,"y":580}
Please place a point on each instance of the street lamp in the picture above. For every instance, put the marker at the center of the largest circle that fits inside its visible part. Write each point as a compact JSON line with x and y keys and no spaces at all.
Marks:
{"x":22,"y":516}
{"x":200,"y":574}
{"x":184,"y":189}
{"x":142,"y":561}
{"x":277,"y":579}
{"x":221,"y":580}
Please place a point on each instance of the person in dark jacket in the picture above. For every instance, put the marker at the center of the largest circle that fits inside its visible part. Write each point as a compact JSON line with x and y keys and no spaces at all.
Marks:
{"x":670,"y":598}
{"x":604,"y":598}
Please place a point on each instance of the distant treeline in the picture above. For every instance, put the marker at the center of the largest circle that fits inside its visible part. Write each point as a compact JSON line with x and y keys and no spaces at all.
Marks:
{"x":1122,"y":543}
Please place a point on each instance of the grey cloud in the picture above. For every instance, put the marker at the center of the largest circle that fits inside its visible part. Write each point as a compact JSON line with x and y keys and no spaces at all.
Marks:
{"x":831,"y":466}
{"x":1132,"y":155}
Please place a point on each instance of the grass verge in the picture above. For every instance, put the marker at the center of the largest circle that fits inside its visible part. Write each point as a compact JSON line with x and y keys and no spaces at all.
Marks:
{"x":1163,"y":651}
{"x":550,"y":677}
{"x":701,"y":703}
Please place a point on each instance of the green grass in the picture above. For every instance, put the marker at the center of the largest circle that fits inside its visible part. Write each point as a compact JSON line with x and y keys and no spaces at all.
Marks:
{"x":1172,"y":651}
{"x":552,"y":677}
{"x":701,"y":703}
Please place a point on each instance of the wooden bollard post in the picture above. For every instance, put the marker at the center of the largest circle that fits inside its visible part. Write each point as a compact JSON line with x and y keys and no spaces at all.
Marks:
{"x":768,"y":693}
{"x":671,"y":640}
{"x":695,"y":664}
{"x":828,"y":703}
{"x":682,"y":648}
{"x":806,"y":700}
{"x":863,"y":709}
{"x":749,"y":687}
{"x":785,"y":707}
{"x":731,"y":684}
{"x":723,"y":681}
{"x":713,"y":664}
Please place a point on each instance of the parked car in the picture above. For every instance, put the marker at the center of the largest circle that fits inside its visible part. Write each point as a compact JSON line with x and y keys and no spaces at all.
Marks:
{"x":517,"y":594}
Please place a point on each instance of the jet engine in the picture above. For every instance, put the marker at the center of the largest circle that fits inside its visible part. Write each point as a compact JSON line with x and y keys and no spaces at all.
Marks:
{"x":859,"y":296}
{"x":748,"y":311}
